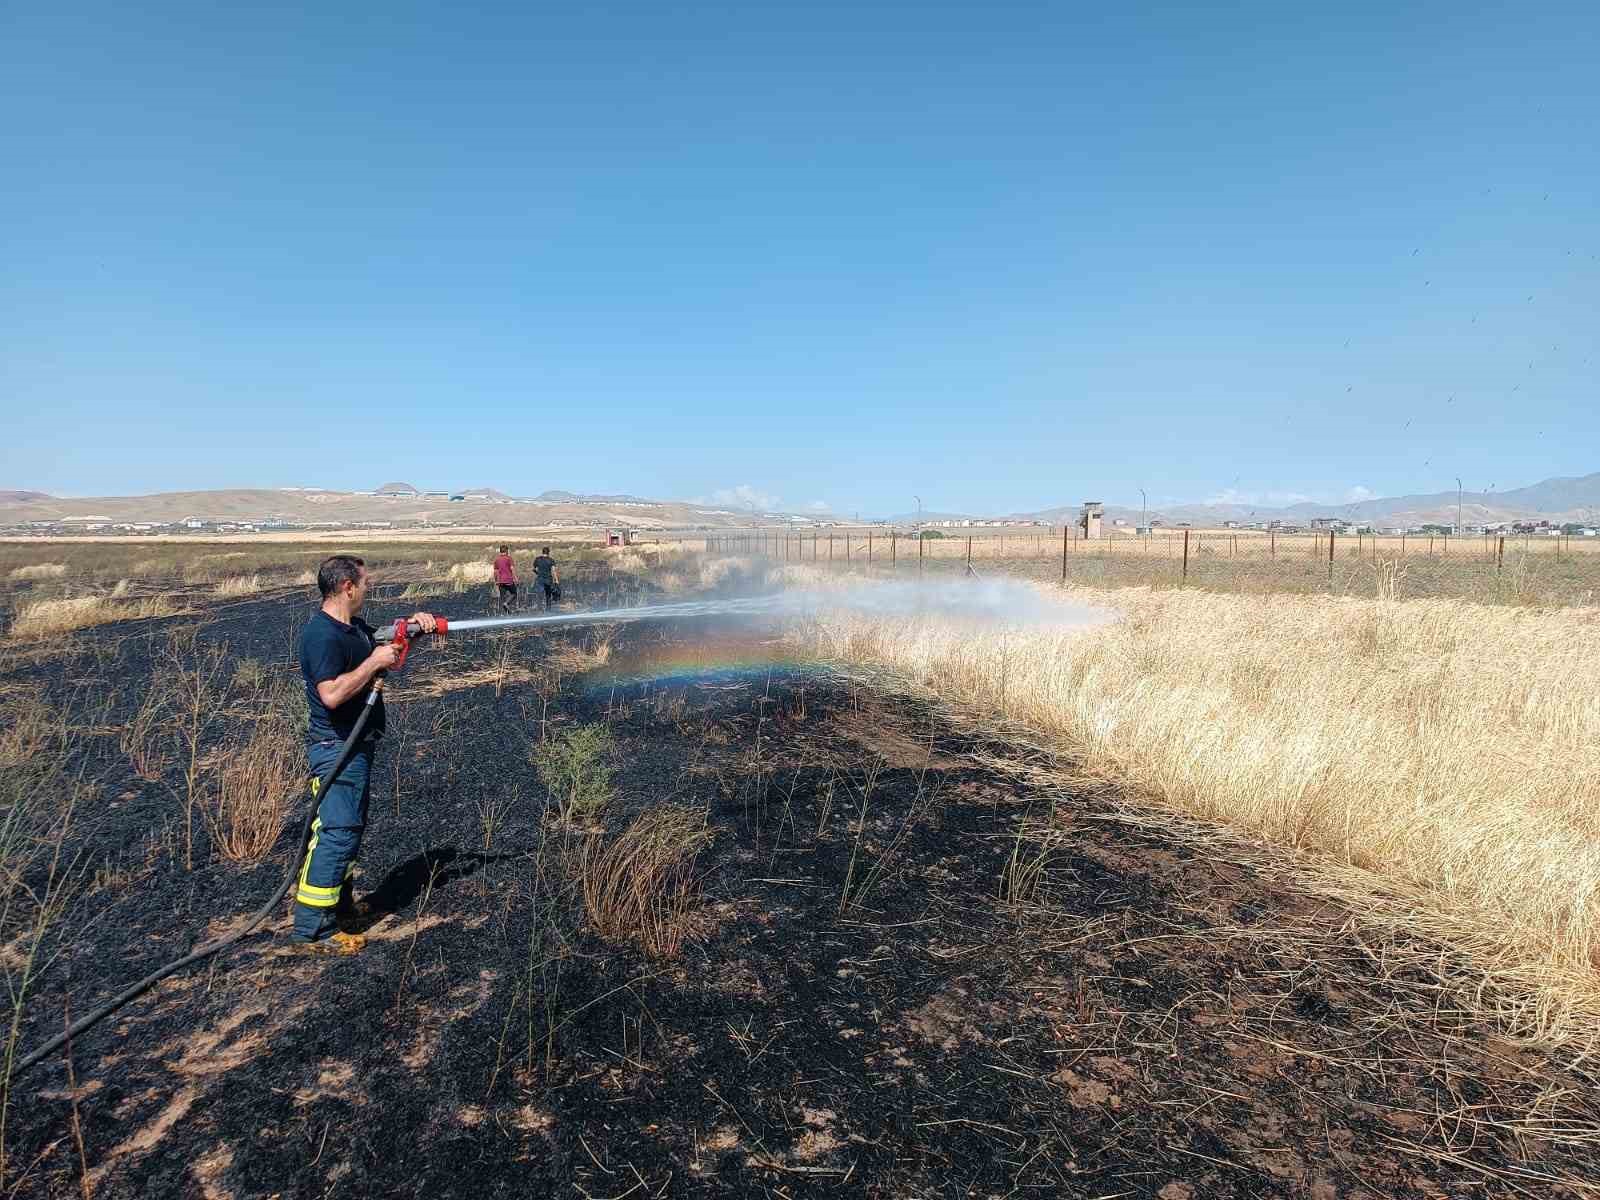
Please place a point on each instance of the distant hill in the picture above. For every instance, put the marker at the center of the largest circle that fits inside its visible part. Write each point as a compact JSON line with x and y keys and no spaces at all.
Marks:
{"x":1564,"y":499}
{"x":580,"y":498}
{"x":325,"y":508}
{"x":911,"y":518}
{"x":397,"y":487}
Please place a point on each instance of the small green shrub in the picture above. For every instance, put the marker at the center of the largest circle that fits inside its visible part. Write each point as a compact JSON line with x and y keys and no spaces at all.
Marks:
{"x":573,"y":765}
{"x":249,"y":675}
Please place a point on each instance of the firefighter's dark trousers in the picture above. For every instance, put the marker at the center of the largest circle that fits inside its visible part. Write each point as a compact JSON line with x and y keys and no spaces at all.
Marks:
{"x":324,"y":882}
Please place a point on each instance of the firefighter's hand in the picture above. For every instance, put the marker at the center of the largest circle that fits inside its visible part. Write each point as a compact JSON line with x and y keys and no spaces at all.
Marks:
{"x":426,"y":621}
{"x":384,"y":657}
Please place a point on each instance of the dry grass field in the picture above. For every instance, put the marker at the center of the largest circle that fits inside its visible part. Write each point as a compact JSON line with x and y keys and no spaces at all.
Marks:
{"x":1524,"y":570}
{"x":1439,"y":758}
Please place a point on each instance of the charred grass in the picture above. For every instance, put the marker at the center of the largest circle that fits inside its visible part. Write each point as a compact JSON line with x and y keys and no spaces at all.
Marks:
{"x":821,"y":939}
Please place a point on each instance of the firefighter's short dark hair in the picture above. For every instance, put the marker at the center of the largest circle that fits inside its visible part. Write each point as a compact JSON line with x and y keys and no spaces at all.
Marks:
{"x":336,"y":570}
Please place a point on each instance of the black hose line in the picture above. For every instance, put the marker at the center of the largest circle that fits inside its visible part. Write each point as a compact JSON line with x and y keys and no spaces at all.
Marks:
{"x":207,"y":949}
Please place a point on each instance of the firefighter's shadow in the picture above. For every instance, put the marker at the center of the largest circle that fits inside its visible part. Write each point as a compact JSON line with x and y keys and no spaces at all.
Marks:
{"x":432,"y":869}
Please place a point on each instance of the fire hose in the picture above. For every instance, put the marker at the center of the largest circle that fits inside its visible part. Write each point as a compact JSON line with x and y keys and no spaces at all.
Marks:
{"x":207,"y":949}
{"x":402,"y":633}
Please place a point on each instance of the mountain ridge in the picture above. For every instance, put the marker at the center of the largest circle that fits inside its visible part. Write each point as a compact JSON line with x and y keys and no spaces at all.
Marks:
{"x":1557,"y":499}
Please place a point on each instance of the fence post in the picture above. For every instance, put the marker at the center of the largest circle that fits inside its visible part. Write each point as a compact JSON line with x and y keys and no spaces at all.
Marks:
{"x":830,"y":547}
{"x":893,"y":544}
{"x":1499,"y":555}
{"x":1063,"y":556}
{"x":969,"y":554}
{"x":869,"y":547}
{"x":1331,"y":535}
{"x":921,"y":544}
{"x":1272,"y":543}
{"x":1186,"y":556}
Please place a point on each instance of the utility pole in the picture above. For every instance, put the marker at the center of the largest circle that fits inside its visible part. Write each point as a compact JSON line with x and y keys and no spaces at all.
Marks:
{"x":1458,"y":506}
{"x":1144,"y":509}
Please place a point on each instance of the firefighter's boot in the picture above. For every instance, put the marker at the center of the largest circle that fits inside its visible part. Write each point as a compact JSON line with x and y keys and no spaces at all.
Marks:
{"x":336,"y":943}
{"x":353,"y":916}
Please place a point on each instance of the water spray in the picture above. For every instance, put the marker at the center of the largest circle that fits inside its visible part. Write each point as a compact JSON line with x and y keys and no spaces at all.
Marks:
{"x":404,"y":632}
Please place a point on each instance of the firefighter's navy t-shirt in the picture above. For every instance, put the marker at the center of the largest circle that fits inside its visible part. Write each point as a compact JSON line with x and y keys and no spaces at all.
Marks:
{"x":328,"y":649}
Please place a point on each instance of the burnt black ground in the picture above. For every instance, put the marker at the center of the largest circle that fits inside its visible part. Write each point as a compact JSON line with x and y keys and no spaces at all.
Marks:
{"x":927,"y":1040}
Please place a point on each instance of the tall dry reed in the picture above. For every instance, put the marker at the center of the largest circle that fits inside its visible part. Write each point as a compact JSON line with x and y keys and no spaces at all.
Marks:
{"x":259,"y":781}
{"x":1445,"y":752}
{"x":641,"y":885}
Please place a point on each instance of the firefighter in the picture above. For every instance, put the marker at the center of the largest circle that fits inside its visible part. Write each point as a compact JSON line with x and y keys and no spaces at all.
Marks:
{"x":339,"y":660}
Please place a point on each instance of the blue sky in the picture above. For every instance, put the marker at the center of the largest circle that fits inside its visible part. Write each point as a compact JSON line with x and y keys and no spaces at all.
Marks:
{"x":1000,"y":256}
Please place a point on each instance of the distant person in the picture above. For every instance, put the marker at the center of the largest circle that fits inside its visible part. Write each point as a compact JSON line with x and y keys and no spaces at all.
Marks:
{"x":544,"y":569}
{"x":339,"y":659}
{"x":505,"y":578}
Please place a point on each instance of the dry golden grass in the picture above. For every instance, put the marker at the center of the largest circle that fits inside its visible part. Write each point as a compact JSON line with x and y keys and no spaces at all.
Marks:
{"x":40,"y":571}
{"x":626,"y":561}
{"x":260,"y":780}
{"x":799,"y":575}
{"x":237,"y":585}
{"x":1438,"y":751}
{"x":143,"y":738}
{"x":48,"y":618}
{"x":574,"y":658}
{"x":209,"y":568}
{"x":28,"y":727}
{"x":455,"y":679}
{"x":464,"y":576}
{"x":640,"y":886}
{"x":714,"y":572}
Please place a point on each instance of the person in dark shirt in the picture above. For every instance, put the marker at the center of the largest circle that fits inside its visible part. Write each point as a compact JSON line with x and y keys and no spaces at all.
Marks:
{"x":339,"y":660}
{"x":544,"y":569}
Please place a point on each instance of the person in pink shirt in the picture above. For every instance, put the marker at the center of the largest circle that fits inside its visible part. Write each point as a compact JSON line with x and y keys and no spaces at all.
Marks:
{"x":505,"y":577}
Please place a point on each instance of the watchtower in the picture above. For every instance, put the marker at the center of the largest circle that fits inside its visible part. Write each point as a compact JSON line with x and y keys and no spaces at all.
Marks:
{"x":1089,"y":519}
